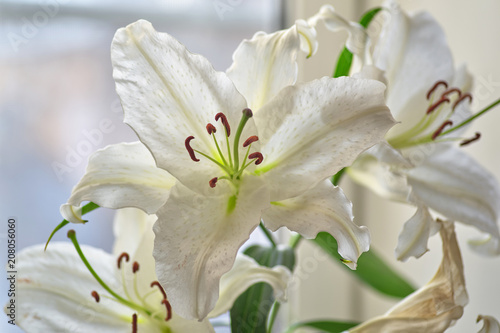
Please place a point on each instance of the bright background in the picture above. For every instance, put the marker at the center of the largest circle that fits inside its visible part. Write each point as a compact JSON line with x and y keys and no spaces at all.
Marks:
{"x":56,"y":91}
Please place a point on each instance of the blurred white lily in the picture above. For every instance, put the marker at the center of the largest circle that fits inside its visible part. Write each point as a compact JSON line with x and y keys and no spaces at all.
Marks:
{"x":435,"y":306}
{"x":418,"y":163}
{"x":59,"y":294}
{"x":218,"y":167}
{"x":490,"y":324}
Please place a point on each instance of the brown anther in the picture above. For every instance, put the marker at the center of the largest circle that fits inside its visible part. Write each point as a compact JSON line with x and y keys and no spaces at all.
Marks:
{"x":189,"y":149}
{"x":134,"y":323}
{"x":212,"y":182}
{"x":135,"y":267}
{"x":156,"y":283}
{"x":464,"y":96}
{"x":435,"y":86}
{"x":247,"y":112}
{"x":437,"y":104}
{"x":223,"y":118}
{"x":258,"y":156}
{"x":96,"y":296}
{"x":211,"y":129}
{"x":441,"y":128}
{"x":120,"y":258}
{"x":250,"y":140}
{"x":468,"y":141}
{"x":452,"y":90}
{"x":169,"y":309}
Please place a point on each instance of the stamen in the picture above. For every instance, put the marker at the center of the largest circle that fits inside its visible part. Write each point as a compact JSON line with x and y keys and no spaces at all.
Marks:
{"x":135,"y":267}
{"x":258,"y":156}
{"x":435,"y":86}
{"x":452,"y":90}
{"x":120,"y":258}
{"x":169,"y":309}
{"x":134,"y":323}
{"x":211,"y":129}
{"x":189,"y":149}
{"x":437,"y":104}
{"x":213,"y":182}
{"x":250,"y":140}
{"x":96,"y":296}
{"x":156,"y":283}
{"x":468,"y":141}
{"x":223,"y":118}
{"x":441,"y":128}
{"x":464,"y":96}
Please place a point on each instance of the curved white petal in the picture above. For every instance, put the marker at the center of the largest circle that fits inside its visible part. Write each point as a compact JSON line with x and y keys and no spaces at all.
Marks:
{"x":435,"y":306}
{"x":412,"y":241}
{"x":357,"y":42}
{"x":414,"y":53}
{"x":55,"y":291}
{"x":490,"y":324}
{"x":169,"y":94}
{"x":197,"y":239}
{"x":323,"y":208}
{"x":486,"y":245}
{"x":452,"y":183}
{"x":245,"y":273}
{"x":310,"y":131}
{"x":265,"y":64}
{"x":121,"y":175}
{"x":381,"y":169}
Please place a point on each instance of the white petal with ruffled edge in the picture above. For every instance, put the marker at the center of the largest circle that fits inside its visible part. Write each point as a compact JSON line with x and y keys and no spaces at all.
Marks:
{"x":245,"y":273}
{"x":169,"y":94}
{"x":310,"y":131}
{"x":197,"y":239}
{"x":434,"y":307}
{"x":121,"y":175}
{"x":452,"y":183}
{"x":323,"y":208}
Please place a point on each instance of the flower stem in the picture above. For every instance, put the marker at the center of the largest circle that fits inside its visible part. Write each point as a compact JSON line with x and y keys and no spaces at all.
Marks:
{"x":471,"y":118}
{"x":72,"y":236}
{"x":272,"y":316}
{"x":268,"y":234}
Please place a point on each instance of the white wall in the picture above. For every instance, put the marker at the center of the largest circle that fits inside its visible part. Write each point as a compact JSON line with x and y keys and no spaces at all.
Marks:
{"x":474,"y":36}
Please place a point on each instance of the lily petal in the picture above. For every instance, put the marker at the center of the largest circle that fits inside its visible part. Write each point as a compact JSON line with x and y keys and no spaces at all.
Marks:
{"x":435,"y":306}
{"x":407,"y":45}
{"x":55,"y":291}
{"x":323,"y":208}
{"x":121,"y":175}
{"x":452,"y":183}
{"x":245,"y":273}
{"x":377,"y":169}
{"x":169,"y":94}
{"x":306,"y":139}
{"x":266,"y":64}
{"x":197,"y":238}
{"x":490,"y":324}
{"x":412,"y":241}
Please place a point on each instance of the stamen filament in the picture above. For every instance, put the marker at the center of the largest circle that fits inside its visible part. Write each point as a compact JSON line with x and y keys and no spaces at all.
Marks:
{"x":72,"y":236}
{"x":213,"y":160}
{"x":218,"y":150}
{"x":471,"y":118}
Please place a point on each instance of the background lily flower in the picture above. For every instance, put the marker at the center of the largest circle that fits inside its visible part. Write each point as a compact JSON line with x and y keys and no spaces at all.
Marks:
{"x":434,"y":307}
{"x":190,"y":118}
{"x":59,"y":294}
{"x":420,"y":163}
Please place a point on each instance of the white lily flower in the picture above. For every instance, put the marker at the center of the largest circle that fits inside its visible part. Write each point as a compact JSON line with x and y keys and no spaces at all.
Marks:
{"x":434,"y":307}
{"x":59,"y":294}
{"x":490,"y":324}
{"x":208,"y":194}
{"x":419,"y":164}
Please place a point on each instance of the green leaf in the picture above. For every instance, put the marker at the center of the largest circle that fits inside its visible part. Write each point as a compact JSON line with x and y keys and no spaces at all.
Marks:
{"x":371,"y":269}
{"x":324,"y":326}
{"x":85,"y":209}
{"x":250,"y":311}
{"x":345,"y":58}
